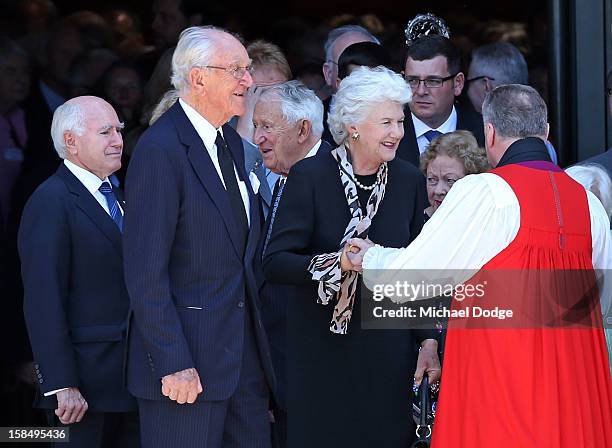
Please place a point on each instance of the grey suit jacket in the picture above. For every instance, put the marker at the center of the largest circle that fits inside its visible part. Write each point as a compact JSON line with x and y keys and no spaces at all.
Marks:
{"x":253,"y":162}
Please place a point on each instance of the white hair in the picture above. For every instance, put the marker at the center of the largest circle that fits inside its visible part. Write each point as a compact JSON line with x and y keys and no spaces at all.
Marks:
{"x":195,"y":48}
{"x":363,"y":88}
{"x":298,"y":102}
{"x":594,"y":178}
{"x":70,"y":116}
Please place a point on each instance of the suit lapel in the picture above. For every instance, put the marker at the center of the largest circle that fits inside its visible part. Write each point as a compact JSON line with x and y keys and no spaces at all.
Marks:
{"x":206,"y":171}
{"x":91,"y":207}
{"x":234,"y":144}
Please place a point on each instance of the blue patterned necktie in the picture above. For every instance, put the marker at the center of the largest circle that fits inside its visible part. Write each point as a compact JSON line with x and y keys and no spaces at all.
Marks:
{"x":431,"y":134}
{"x":281,"y":186}
{"x":113,"y":205}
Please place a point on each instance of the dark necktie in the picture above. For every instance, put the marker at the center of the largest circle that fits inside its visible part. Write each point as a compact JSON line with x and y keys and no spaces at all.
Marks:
{"x":113,"y":205}
{"x":278,"y":193}
{"x":226,"y":163}
{"x":431,"y":134}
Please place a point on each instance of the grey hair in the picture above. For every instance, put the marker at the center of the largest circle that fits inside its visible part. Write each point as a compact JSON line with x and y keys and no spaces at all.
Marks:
{"x":195,"y":48}
{"x":165,"y":103}
{"x":516,"y":111}
{"x":298,"y":102}
{"x":363,"y":88}
{"x":68,"y":117}
{"x":594,"y":178}
{"x":337,"y":33}
{"x":501,"y":61}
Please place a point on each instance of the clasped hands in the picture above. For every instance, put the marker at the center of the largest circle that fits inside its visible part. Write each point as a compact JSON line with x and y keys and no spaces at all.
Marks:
{"x":352,"y":254}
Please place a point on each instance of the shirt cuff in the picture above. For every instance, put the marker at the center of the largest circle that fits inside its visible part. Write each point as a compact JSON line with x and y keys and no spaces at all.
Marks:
{"x":53,"y":392}
{"x":369,"y":258}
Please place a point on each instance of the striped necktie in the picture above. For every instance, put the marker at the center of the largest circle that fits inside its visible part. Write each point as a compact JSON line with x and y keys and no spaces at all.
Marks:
{"x":279,"y":193}
{"x":113,"y":205}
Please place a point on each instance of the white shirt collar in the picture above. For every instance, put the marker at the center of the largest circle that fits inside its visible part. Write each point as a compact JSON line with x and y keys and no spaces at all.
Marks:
{"x":205,"y":130}
{"x":87,"y":178}
{"x":449,"y":125}
{"x":312,"y":152}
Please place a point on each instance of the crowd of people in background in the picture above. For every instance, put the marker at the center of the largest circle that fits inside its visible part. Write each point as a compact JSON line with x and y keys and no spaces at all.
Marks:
{"x":300,"y":91}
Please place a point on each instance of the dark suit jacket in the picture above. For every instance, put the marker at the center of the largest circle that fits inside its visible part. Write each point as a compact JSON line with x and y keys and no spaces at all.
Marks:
{"x":76,"y":303}
{"x":191,"y":286}
{"x":274,"y":297}
{"x":359,"y":373}
{"x":604,"y":159}
{"x":467,"y":119}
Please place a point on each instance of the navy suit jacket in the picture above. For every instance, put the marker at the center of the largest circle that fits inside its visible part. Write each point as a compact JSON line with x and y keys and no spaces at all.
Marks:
{"x":467,"y":119}
{"x":75,"y":300}
{"x":191,"y":286}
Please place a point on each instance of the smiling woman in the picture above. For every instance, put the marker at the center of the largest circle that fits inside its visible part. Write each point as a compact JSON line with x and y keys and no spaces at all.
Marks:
{"x":359,"y":188}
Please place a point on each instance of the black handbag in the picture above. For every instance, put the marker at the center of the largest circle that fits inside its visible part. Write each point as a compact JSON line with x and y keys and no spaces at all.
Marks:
{"x":424,"y":412}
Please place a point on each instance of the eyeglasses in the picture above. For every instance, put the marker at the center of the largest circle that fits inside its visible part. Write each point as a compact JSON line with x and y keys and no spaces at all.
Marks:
{"x":236,"y":72}
{"x":331,"y":62}
{"x":430,"y":83}
{"x":477,"y":78}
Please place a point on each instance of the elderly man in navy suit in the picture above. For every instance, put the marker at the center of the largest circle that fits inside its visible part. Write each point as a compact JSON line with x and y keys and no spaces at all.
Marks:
{"x":198,"y":360}
{"x":75,"y":299}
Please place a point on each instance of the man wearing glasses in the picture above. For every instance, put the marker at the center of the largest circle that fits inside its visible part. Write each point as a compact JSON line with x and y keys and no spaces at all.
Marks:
{"x":198,"y":362}
{"x":433,"y":71}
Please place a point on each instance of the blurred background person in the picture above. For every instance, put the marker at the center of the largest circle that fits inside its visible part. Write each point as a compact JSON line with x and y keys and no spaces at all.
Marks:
{"x":337,"y":41}
{"x":270,"y":67}
{"x":334,"y":367}
{"x":493,"y":65}
{"x":368,"y":54}
{"x":447,"y":159}
{"x":14,"y":89}
{"x":595,"y":178}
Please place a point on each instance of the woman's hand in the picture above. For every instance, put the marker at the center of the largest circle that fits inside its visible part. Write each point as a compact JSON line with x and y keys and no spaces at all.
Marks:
{"x":350,"y":261}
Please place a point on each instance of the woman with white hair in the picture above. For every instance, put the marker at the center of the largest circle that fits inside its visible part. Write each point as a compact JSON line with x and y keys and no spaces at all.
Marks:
{"x":347,"y":386}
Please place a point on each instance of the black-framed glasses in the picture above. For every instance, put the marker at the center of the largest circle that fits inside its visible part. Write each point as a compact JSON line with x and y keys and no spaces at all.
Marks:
{"x":236,"y":72}
{"x":478,"y":78}
{"x":430,"y":83}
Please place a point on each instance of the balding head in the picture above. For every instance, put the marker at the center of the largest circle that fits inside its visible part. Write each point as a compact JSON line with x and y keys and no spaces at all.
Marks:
{"x":87,"y":132}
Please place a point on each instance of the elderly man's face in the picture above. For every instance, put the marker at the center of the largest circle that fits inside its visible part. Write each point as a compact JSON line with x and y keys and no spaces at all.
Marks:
{"x":224,"y":93}
{"x":277,"y":140}
{"x":99,"y":149}
{"x":433,"y":105}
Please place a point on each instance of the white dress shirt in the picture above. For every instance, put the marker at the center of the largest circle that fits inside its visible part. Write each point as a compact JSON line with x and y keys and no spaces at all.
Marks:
{"x":92,"y":183}
{"x":421,"y":128}
{"x":208,"y":134}
{"x":479,"y":218}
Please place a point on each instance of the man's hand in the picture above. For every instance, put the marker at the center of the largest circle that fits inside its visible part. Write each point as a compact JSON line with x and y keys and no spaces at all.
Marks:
{"x":71,"y":406}
{"x":182,"y":387}
{"x":357,"y":249}
{"x":428,"y":361}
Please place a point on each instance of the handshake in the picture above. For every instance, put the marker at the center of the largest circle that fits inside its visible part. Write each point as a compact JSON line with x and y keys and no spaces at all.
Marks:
{"x":352,"y":254}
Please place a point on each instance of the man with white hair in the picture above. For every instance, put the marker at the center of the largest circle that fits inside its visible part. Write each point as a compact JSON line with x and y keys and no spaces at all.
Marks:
{"x":75,"y":299}
{"x":198,"y":361}
{"x":288,"y":121}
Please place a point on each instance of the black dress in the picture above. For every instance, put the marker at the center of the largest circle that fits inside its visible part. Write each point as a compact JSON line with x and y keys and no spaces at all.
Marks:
{"x":350,"y":390}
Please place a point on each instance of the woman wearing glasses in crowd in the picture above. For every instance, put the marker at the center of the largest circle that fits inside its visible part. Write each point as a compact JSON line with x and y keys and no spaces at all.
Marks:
{"x":348,"y":386}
